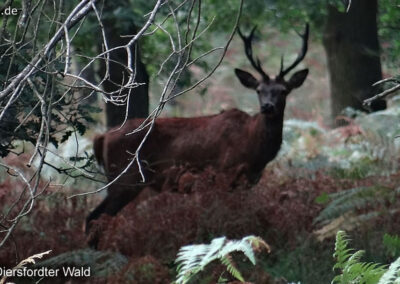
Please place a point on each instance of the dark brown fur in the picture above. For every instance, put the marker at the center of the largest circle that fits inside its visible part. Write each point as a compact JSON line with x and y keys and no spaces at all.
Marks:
{"x":225,"y":141}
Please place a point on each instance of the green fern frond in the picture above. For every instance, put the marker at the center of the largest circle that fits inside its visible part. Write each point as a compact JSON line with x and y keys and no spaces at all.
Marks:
{"x":355,"y":258}
{"x":354,"y":198}
{"x":193,"y":258}
{"x":230,"y":266}
{"x":342,"y":253}
{"x":372,"y":272}
{"x":368,"y":273}
{"x":352,"y":270}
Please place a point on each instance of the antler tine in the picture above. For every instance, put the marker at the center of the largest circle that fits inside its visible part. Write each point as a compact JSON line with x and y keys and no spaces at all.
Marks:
{"x":247,"y":40}
{"x":300,"y":56}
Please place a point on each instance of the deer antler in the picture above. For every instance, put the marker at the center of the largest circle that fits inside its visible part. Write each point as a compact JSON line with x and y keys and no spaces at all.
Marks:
{"x":300,"y":56}
{"x":247,"y":40}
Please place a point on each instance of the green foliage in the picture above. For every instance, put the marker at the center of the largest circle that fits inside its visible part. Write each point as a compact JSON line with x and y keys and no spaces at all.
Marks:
{"x":194,"y":258}
{"x":392,"y":245}
{"x":358,"y":171}
{"x":389,"y":24}
{"x":284,"y":14}
{"x":323,"y":198}
{"x":351,"y":269}
{"x":307,"y":261}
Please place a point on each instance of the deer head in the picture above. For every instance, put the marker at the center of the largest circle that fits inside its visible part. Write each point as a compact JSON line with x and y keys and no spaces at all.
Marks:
{"x":272,"y":92}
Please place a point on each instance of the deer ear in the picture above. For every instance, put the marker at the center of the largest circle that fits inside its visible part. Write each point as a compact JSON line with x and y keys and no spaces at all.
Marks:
{"x":246,"y":79}
{"x":298,"y":78}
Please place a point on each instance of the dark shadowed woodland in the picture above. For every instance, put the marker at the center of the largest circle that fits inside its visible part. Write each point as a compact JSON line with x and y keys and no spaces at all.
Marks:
{"x":199,"y":141}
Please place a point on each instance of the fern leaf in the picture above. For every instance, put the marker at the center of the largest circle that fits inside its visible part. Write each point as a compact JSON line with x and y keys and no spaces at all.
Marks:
{"x":352,"y":199}
{"x":355,"y":258}
{"x":230,"y":266}
{"x":194,"y":258}
{"x":372,"y":272}
{"x":342,"y":253}
{"x":243,"y":245}
{"x":216,"y":246}
{"x":352,"y":269}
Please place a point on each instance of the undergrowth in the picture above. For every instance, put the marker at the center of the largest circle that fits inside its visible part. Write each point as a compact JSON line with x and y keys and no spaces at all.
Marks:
{"x":308,"y":261}
{"x":338,"y":167}
{"x":366,"y":147}
{"x":352,"y":270}
{"x":356,"y":199}
{"x":348,"y":265}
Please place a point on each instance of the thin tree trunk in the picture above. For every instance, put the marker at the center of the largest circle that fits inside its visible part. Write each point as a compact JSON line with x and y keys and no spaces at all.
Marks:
{"x":139,"y":97}
{"x":352,"y":48}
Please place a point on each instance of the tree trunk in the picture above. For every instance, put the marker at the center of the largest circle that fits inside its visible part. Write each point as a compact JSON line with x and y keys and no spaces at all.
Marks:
{"x":139,"y":97}
{"x":352,"y":48}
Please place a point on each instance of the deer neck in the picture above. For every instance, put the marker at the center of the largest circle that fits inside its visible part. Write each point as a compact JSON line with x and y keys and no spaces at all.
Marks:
{"x":269,"y":138}
{"x":271,"y":126}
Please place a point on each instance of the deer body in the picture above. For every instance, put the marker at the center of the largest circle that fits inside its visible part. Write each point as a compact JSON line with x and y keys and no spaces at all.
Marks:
{"x":229,"y":141}
{"x":223,"y":141}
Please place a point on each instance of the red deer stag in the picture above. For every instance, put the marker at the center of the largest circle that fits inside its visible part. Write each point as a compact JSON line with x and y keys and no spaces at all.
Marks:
{"x":227,"y":141}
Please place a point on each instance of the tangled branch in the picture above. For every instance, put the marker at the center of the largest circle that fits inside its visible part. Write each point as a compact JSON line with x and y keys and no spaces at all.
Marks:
{"x":42,"y":84}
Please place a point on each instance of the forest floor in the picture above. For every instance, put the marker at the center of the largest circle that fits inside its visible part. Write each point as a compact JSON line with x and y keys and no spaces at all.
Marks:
{"x":325,"y":181}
